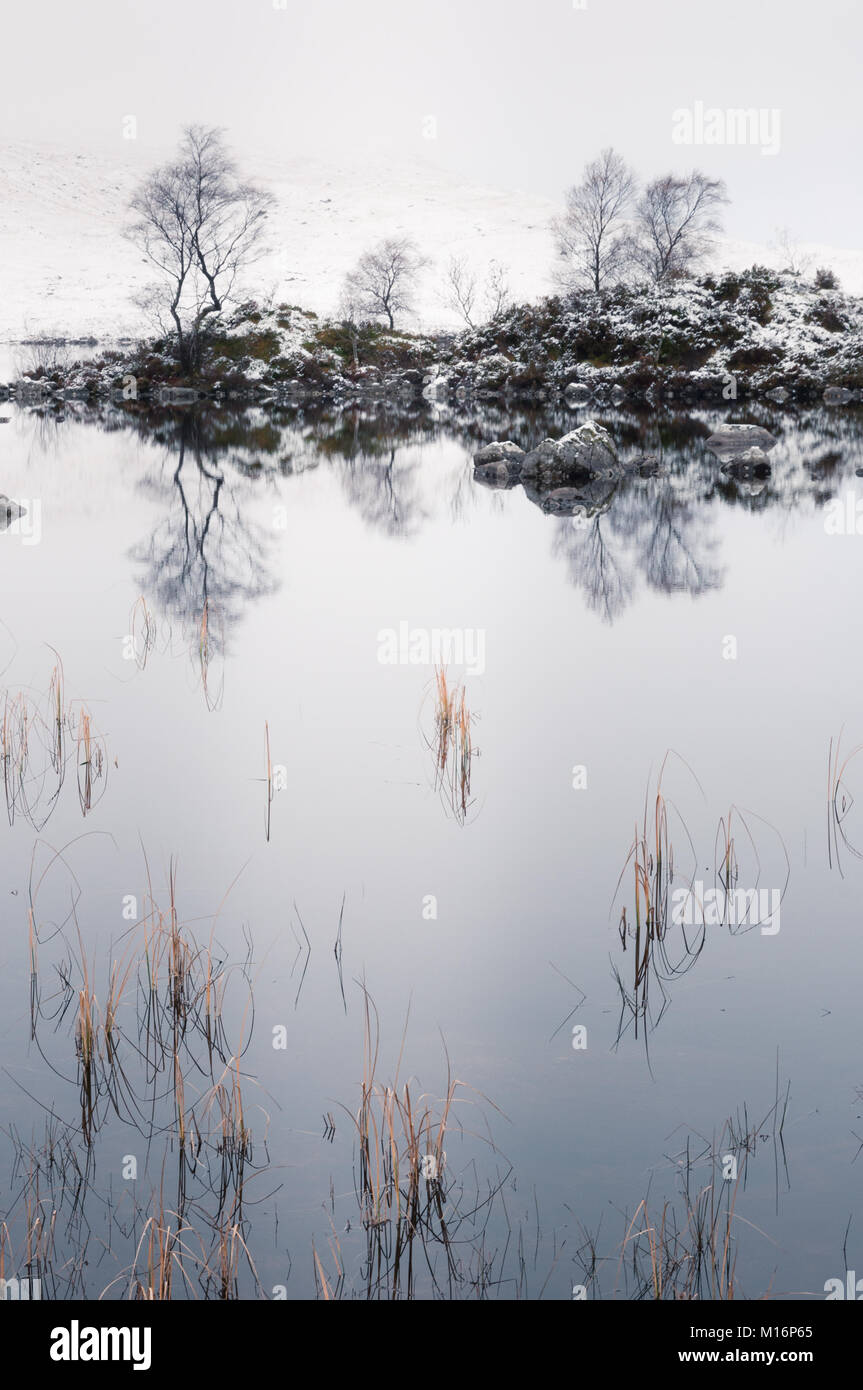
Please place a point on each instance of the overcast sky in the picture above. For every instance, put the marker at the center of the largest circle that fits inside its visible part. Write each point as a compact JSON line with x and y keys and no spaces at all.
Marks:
{"x":519,"y":95}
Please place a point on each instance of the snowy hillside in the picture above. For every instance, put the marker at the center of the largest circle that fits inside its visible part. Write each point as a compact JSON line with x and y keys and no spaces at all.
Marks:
{"x":68,"y":271}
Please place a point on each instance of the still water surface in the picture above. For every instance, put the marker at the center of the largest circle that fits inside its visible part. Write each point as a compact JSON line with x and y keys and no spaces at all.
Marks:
{"x":254,"y":560}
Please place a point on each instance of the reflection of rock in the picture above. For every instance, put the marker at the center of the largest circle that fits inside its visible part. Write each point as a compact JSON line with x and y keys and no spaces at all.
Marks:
{"x":9,"y":512}
{"x":565,"y":501}
{"x":576,"y":394}
{"x":732,"y":439}
{"x":590,"y":498}
{"x":575,"y":476}
{"x":837,"y":395}
{"x":495,"y":474}
{"x":178,"y":395}
{"x":645,"y":466}
{"x":748,"y":465}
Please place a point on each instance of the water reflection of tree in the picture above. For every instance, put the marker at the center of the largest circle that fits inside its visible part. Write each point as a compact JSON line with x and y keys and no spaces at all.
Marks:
{"x":675,"y":546}
{"x":378,"y":468}
{"x":206,"y":559}
{"x":386,"y":491}
{"x":604,"y":577}
{"x":647,"y":531}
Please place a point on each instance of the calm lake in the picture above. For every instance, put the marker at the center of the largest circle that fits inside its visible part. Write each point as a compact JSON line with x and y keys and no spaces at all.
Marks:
{"x":222,"y":767}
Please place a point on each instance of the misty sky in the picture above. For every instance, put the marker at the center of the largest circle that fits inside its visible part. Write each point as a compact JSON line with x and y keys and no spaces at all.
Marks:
{"x":521,"y":94}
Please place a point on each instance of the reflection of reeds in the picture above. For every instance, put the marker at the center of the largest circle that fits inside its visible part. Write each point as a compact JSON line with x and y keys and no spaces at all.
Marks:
{"x":840,"y":802}
{"x":142,"y":629}
{"x":452,"y":744}
{"x":162,"y":1024}
{"x":230,"y":1248}
{"x":148,"y":1055}
{"x":161,"y":1253}
{"x":85,"y":1044}
{"x":689,"y":1250}
{"x":180,"y":989}
{"x":170,"y":1248}
{"x":727,"y":867}
{"x":207,"y":650}
{"x":89,"y":760}
{"x":57,"y":709}
{"x":269,"y":778}
{"x":669,"y":913}
{"x":14,"y":742}
{"x":652,"y":857}
{"x":410,"y":1210}
{"x":36,"y":1250}
{"x":735,"y":837}
{"x":34,"y":735}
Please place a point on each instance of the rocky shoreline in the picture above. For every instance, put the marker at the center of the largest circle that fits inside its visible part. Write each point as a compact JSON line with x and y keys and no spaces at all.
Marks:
{"x":752,"y":336}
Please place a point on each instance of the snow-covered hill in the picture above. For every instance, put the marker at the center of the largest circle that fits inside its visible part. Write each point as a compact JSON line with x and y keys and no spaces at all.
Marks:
{"x":66,"y":269}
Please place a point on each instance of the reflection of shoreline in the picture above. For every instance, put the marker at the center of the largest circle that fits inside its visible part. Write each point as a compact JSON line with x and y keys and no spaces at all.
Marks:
{"x":656,"y":525}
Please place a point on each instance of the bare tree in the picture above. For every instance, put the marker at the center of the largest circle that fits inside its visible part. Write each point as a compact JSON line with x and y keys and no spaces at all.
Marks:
{"x":675,"y":219}
{"x":461,"y":288}
{"x":350,"y":315}
{"x":228,"y":215}
{"x":161,"y":230}
{"x":199,"y":225}
{"x":497,"y":291}
{"x":384,"y":279}
{"x":795,"y":260}
{"x":591,"y":234}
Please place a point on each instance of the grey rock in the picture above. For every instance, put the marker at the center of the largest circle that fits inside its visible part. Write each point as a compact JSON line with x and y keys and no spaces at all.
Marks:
{"x":837,"y":395}
{"x":590,"y":447}
{"x":542,"y":459}
{"x":587,"y":452}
